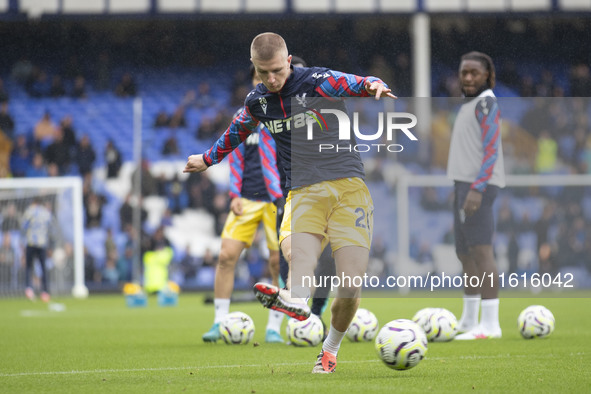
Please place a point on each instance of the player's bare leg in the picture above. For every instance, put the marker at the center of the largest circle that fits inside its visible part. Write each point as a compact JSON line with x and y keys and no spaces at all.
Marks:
{"x":272,"y":332}
{"x":300,"y":250}
{"x":274,"y":266}
{"x":224,"y":270}
{"x":224,"y":284}
{"x":351,"y":261}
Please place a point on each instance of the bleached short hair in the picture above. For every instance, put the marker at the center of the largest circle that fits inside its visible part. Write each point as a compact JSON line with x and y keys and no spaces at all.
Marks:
{"x":266,"y":45}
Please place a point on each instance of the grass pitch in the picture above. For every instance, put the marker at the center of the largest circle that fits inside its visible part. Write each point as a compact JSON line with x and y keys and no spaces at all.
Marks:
{"x":100,"y":345}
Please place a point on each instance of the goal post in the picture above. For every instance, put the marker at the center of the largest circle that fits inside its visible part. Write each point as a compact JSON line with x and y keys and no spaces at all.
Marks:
{"x":66,"y":193}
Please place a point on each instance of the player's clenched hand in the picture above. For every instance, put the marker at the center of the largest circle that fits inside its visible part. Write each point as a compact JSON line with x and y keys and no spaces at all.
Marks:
{"x":378,"y":89}
{"x":195,"y":163}
{"x":236,"y":206}
{"x":472,"y":202}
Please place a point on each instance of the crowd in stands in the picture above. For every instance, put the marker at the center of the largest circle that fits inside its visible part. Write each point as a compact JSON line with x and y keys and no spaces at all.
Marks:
{"x":557,"y":137}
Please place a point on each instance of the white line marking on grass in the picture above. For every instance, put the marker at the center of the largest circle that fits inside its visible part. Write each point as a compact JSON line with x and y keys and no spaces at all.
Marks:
{"x":95,"y":371}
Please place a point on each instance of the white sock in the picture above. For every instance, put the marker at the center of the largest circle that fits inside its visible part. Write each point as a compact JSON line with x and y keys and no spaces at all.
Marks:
{"x":490,"y":314}
{"x":222,"y":308}
{"x":332,"y":343}
{"x":275,"y":320}
{"x":470,"y":312}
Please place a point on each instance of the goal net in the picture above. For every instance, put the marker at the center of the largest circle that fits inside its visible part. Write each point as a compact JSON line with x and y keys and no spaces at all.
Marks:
{"x":65,"y":253}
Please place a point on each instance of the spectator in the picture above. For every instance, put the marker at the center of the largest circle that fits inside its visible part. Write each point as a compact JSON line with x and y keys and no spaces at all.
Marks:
{"x":380,"y":66}
{"x":37,"y":84}
{"x":7,"y":260}
{"x":509,"y":74}
{"x":126,"y":87}
{"x":162,"y":119}
{"x":53,"y":170}
{"x":430,"y":201}
{"x":527,"y":89}
{"x":189,"y":265}
{"x":176,"y":195}
{"x":166,"y":220}
{"x":208,"y":259}
{"x":57,"y":87}
{"x":170,"y":146}
{"x":177,"y":119}
{"x":546,"y":86}
{"x":44,"y":131}
{"x":149,"y":184}
{"x":79,"y":89}
{"x":90,"y":273}
{"x":37,"y":168}
{"x":201,"y":192}
{"x":103,"y":71}
{"x":547,"y":153}
{"x":6,"y":121}
{"x":20,"y":158}
{"x":580,"y":81}
{"x":59,"y":153}
{"x":21,"y":70}
{"x":505,"y":221}
{"x":67,"y":126}
{"x":72,"y":67}
{"x":206,"y":131}
{"x":10,"y":220}
{"x":110,"y":246}
{"x":402,"y":76}
{"x":3,"y":93}
{"x":85,"y":156}
{"x":110,"y":274}
{"x":126,"y":213}
{"x":113,"y":160}
{"x":200,"y":99}
{"x":125,"y":263}
{"x":93,"y":207}
{"x":513,"y":252}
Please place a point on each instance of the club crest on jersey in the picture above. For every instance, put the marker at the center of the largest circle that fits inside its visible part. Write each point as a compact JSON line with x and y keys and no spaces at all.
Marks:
{"x":301,"y":99}
{"x":263,"y":103}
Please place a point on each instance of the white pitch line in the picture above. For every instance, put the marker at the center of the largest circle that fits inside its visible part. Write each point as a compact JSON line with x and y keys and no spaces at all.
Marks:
{"x":95,"y":371}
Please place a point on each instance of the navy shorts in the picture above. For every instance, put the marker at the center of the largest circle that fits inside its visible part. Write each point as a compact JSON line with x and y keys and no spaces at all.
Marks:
{"x":479,"y":228}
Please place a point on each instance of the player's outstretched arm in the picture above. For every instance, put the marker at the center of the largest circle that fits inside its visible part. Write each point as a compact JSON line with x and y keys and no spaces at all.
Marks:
{"x":242,"y":125}
{"x":195,"y":163}
{"x":378,"y":89}
{"x":339,"y":84}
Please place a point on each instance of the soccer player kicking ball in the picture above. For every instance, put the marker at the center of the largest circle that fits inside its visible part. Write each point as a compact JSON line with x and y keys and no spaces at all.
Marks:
{"x":327,"y":193}
{"x":254,"y":184}
{"x":476,"y":165}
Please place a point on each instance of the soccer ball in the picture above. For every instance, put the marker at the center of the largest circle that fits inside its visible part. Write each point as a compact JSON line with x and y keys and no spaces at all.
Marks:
{"x":535,"y":321}
{"x":364,"y":326}
{"x":308,"y":332}
{"x":237,"y":328}
{"x":401,"y":344}
{"x":442,"y":326}
{"x":423,"y":318}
